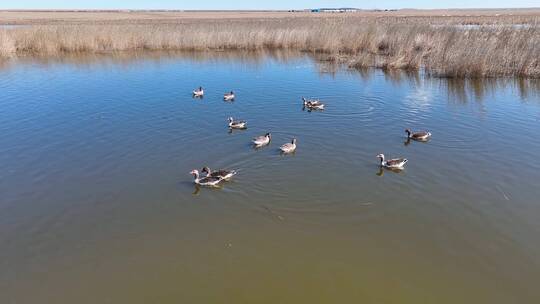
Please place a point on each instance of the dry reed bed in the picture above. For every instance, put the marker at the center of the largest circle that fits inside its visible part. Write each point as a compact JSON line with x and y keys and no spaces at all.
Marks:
{"x":442,"y":50}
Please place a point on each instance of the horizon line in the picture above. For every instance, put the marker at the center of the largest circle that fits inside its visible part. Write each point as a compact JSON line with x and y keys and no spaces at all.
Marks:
{"x":251,"y":10}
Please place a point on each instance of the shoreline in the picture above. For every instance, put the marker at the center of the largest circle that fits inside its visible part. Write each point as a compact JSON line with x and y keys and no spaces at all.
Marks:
{"x":443,"y":46}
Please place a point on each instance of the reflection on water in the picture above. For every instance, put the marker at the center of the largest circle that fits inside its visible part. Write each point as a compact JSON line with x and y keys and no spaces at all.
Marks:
{"x":464,"y":90}
{"x":89,"y":60}
{"x":458,"y":89}
{"x":98,"y":205}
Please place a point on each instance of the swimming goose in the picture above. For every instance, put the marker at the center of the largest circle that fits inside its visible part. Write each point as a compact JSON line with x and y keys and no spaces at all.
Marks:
{"x":289,"y":147}
{"x":421,"y":136}
{"x":205,"y":181}
{"x":305,"y":100}
{"x":262,"y":140}
{"x":313,"y":104}
{"x":198,"y":92}
{"x":236,"y":124}
{"x":224,"y":174}
{"x":228,"y":96}
{"x":396,"y":163}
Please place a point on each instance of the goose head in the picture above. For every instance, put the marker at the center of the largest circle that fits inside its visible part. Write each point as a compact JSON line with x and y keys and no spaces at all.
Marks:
{"x":195,"y":173}
{"x":305,"y":101}
{"x":381,"y":157}
{"x":293,"y":141}
{"x":230,"y":119}
{"x":408,"y":131}
{"x":268,"y":135}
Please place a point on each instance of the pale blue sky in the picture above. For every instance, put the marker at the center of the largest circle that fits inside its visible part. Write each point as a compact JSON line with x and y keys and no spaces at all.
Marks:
{"x":252,"y":4}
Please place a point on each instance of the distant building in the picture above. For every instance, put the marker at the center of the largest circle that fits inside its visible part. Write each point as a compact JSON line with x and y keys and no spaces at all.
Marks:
{"x":334,"y":10}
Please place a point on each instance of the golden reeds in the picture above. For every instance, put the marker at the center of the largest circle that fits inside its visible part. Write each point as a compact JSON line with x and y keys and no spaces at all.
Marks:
{"x":449,"y":49}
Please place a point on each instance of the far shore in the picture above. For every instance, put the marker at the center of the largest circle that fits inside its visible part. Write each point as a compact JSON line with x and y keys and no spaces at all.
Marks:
{"x":67,"y":16}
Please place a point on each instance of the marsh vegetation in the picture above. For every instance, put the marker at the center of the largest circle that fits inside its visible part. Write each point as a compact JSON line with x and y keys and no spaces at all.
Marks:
{"x":449,"y":46}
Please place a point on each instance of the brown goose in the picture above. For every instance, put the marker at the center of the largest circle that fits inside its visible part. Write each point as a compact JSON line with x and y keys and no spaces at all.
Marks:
{"x":224,"y":174}
{"x":228,"y":96}
{"x":313,"y":104}
{"x":198,"y":92}
{"x":421,"y":136}
{"x":289,"y":147}
{"x":237,"y":124}
{"x":264,"y":140}
{"x":396,"y":163}
{"x":205,"y":181}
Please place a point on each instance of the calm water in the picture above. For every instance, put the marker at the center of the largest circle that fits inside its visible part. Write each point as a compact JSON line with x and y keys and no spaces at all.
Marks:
{"x":97,"y":205}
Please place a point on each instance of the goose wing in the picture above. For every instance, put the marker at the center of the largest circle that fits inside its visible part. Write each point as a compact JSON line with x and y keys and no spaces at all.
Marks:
{"x":259,"y":139}
{"x":287,"y":146}
{"x":421,"y":134}
{"x":396,"y":162}
{"x":209,"y":180}
{"x":221,"y":173}
{"x":315,"y":105}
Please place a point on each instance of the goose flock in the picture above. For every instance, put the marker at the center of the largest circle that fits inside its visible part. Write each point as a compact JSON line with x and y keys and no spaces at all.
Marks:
{"x":214,"y":178}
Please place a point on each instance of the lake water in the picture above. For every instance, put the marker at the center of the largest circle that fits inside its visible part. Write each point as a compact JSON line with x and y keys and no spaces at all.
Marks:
{"x":97,"y":204}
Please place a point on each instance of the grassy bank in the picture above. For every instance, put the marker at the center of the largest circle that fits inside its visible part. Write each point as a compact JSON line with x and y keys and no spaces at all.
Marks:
{"x":449,"y":47}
